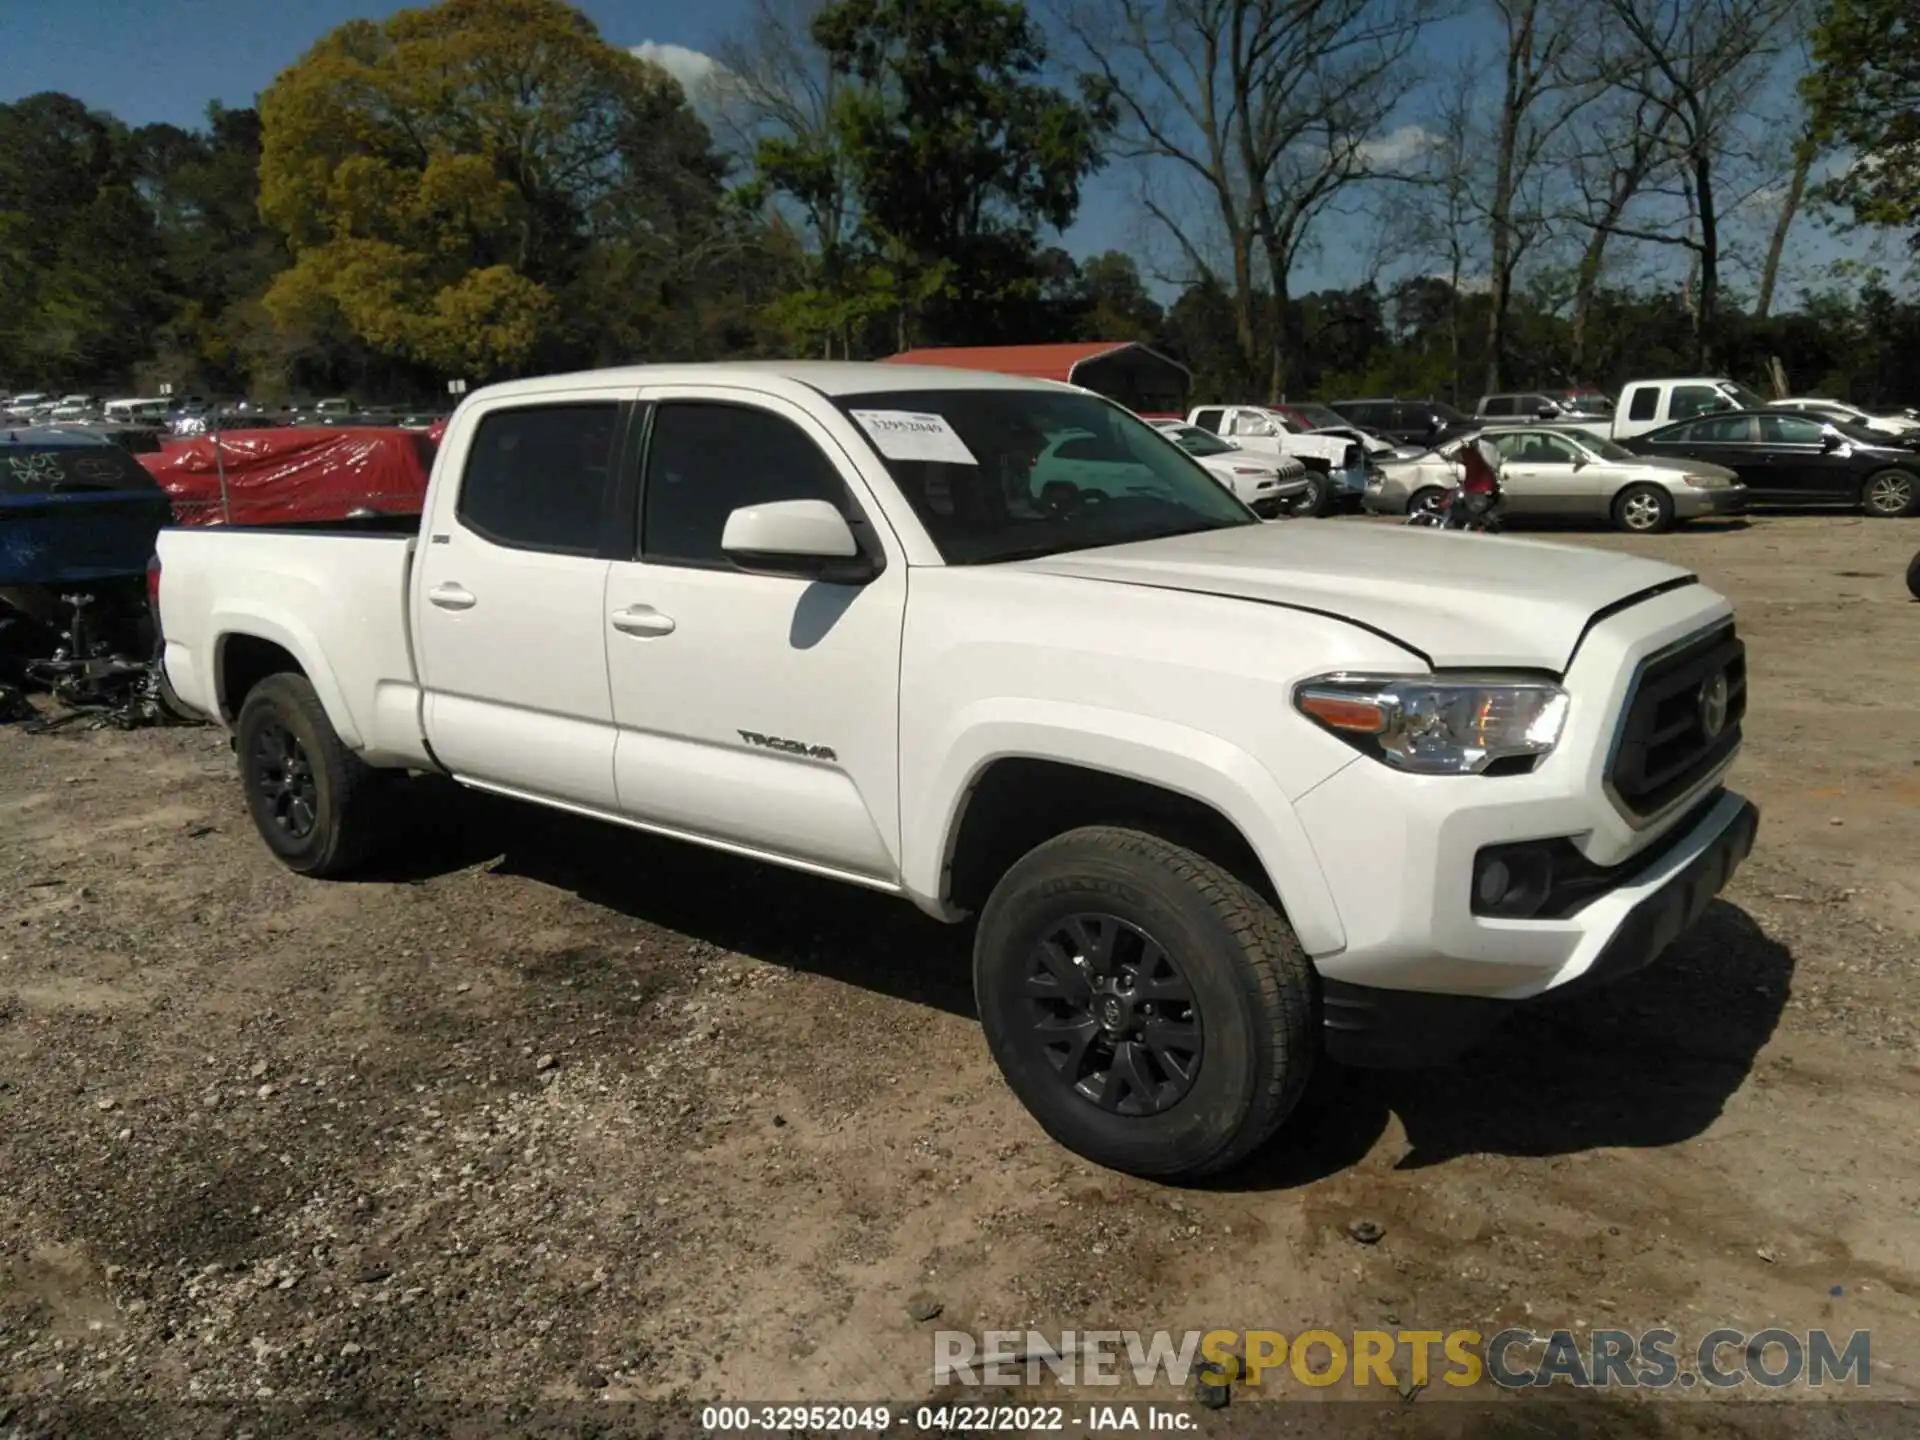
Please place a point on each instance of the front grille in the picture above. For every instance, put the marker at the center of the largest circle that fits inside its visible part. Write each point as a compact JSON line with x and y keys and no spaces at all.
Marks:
{"x":1665,"y":748}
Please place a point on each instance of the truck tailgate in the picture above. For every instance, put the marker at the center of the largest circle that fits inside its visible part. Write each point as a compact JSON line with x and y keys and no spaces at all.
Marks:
{"x":334,"y":602}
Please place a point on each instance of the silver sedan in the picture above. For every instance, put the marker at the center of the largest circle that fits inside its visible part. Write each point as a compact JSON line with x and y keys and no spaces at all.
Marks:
{"x":1560,"y":476}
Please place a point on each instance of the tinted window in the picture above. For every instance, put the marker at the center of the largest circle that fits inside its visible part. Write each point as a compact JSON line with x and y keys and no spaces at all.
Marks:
{"x":1013,"y":497}
{"x":1789,"y":430}
{"x":706,"y":461}
{"x":1645,"y":403}
{"x":1497,"y":405}
{"x":1207,"y":420}
{"x":1719,"y":430}
{"x":536,"y":478}
{"x":1697,"y":400}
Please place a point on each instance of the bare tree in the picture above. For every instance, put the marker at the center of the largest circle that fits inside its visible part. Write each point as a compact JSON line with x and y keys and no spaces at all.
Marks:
{"x":1623,"y":147}
{"x":776,"y":94}
{"x":1805,"y":150}
{"x":1263,"y":110}
{"x":1544,"y":90}
{"x":1699,"y":64}
{"x":1452,"y":224}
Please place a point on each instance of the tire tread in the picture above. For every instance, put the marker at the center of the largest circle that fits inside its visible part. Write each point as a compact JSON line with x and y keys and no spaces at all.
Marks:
{"x":353,"y":785}
{"x":1283,"y":976}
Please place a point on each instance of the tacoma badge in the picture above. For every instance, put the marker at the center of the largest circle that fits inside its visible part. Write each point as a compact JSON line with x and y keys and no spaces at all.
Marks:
{"x":790,"y":747}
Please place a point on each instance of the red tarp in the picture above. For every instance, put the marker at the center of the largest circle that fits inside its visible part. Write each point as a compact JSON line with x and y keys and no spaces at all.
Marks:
{"x":309,"y":473}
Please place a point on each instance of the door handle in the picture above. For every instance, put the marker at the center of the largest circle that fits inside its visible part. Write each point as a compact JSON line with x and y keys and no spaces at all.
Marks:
{"x":642,"y":620}
{"x":451,"y":597}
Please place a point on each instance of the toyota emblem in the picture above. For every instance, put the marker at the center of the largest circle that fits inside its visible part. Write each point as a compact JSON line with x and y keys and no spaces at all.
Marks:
{"x":1713,"y":704}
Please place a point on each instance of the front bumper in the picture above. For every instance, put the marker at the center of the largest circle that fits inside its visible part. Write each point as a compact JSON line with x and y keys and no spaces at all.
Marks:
{"x":1631,"y":925}
{"x":1692,"y":504}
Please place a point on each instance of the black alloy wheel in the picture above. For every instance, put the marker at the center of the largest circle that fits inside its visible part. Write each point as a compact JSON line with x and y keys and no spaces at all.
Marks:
{"x":281,"y":776}
{"x":1113,"y":1015}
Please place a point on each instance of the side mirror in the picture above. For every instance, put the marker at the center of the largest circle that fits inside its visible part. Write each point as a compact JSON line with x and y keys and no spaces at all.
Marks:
{"x":809,"y":538}
{"x":1830,"y":439}
{"x":1579,"y":462}
{"x":1546,"y":412}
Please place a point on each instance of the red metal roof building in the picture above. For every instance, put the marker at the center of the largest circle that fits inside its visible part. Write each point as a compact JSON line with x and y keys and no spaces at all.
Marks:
{"x":1126,"y":371}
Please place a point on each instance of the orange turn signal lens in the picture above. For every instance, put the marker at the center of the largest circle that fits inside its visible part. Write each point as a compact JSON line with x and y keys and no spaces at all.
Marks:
{"x":1344,"y":712}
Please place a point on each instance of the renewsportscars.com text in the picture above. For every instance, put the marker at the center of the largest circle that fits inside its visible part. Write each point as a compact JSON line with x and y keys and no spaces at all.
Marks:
{"x":1512,"y":1359}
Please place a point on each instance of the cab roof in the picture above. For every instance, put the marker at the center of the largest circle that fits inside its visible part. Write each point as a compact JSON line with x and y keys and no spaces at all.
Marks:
{"x":836,"y":378}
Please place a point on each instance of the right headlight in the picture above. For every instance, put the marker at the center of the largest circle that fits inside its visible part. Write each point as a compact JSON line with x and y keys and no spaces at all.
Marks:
{"x":1436,"y":725}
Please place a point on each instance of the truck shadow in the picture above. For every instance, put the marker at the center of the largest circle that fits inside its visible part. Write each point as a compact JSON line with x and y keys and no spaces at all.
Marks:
{"x":779,"y":916}
{"x":1648,"y":1062}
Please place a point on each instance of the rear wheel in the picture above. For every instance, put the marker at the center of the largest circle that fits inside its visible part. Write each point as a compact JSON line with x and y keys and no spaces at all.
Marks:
{"x":1913,"y":577}
{"x":1427,"y":497}
{"x":1643,"y":510}
{"x":1153,"y":1012}
{"x":312,"y":799}
{"x":1888,"y":494}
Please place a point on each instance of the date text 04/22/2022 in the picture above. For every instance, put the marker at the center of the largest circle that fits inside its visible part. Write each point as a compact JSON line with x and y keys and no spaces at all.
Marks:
{"x":943,"y":1419}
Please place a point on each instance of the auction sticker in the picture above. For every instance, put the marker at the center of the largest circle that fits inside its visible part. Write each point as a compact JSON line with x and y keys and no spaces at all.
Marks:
{"x":911,"y":435}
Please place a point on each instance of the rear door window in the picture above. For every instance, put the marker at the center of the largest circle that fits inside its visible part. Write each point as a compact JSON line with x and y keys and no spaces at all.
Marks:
{"x":1208,"y":420}
{"x":1789,"y":430}
{"x":1645,"y":403}
{"x":537,"y":477}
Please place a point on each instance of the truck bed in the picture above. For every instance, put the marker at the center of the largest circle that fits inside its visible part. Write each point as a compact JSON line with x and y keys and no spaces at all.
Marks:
{"x":335,"y":596}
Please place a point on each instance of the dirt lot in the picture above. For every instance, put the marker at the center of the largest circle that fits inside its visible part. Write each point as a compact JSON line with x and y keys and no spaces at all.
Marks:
{"x":558,"y":1112}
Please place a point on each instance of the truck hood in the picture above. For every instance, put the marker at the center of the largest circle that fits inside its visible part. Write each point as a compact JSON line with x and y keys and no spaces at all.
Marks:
{"x":1457,"y":599}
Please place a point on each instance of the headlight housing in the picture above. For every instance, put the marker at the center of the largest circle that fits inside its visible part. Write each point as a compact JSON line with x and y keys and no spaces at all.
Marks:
{"x":1437,"y":725}
{"x":1705,"y":482}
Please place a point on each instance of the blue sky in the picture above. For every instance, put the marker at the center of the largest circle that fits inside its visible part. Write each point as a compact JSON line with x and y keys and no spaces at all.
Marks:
{"x":162,"y":60}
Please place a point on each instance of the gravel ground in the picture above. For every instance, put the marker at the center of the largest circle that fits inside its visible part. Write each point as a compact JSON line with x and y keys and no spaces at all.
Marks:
{"x":555,"y":1115}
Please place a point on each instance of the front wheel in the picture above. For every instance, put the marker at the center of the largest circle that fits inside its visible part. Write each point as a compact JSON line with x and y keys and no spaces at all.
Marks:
{"x":1317,"y":499}
{"x":1888,"y":494}
{"x":312,"y":799}
{"x":1913,"y":577}
{"x":1643,"y":510}
{"x":1153,"y":1012}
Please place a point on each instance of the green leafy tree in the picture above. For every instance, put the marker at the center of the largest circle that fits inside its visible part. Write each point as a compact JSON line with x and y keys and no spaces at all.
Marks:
{"x":483,"y":185}
{"x":82,"y":287}
{"x":957,"y":155}
{"x":1864,"y":93}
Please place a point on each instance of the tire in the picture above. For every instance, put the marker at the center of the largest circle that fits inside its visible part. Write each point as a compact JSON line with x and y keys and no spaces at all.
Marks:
{"x":1118,"y":895}
{"x":1425,"y":497}
{"x":313,"y":800}
{"x":1643,"y":510}
{"x":1889,"y":494}
{"x":1913,"y":577}
{"x":1318,"y":500}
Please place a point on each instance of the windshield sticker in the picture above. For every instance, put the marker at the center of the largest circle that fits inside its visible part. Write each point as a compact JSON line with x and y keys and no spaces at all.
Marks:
{"x":910,"y":435}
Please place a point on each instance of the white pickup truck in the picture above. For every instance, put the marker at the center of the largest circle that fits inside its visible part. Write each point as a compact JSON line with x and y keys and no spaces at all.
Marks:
{"x":1222,"y":795}
{"x":1647,"y":405}
{"x":1336,"y":464}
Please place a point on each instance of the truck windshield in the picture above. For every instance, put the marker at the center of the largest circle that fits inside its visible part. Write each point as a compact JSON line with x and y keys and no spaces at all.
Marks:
{"x":998,"y":475}
{"x":1742,"y":397}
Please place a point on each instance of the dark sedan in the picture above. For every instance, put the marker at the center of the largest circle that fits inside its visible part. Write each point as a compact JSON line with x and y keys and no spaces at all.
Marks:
{"x":1795,"y":459}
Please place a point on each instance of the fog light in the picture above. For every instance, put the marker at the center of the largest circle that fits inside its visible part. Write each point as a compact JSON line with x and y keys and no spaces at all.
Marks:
{"x":1512,"y":881}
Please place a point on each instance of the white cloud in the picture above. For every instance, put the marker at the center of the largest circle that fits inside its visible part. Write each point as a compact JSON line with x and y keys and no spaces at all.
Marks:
{"x":1396,"y":147}
{"x":694,"y":69}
